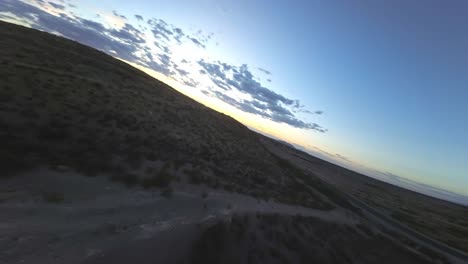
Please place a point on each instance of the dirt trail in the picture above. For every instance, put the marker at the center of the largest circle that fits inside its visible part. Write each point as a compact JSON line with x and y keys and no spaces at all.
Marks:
{"x":97,"y":215}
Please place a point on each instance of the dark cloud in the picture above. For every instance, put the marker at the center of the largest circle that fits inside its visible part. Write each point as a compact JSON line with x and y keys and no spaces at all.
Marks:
{"x":163,"y":47}
{"x":214,"y":69}
{"x":118,"y":15}
{"x":202,"y":38}
{"x":184,"y":77}
{"x":139,"y":18}
{"x":190,"y":82}
{"x":226,"y":98}
{"x":178,"y":31}
{"x":264,"y":71}
{"x":178,"y":35}
{"x":57,"y":6}
{"x":160,"y":29}
{"x":319,"y":112}
{"x":197,"y":42}
{"x":263,"y":102}
{"x":182,"y":72}
{"x":167,"y":32}
{"x":221,"y":84}
{"x":128,"y":34}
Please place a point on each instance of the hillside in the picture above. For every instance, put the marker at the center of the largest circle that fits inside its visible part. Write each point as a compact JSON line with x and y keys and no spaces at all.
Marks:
{"x":64,"y":104}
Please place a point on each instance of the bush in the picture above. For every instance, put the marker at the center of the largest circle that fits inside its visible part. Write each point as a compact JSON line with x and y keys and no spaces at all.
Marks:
{"x":53,"y":197}
{"x":167,"y":192}
{"x":13,"y":163}
{"x":129,"y":179}
{"x":161,"y":180}
{"x":195,"y":176}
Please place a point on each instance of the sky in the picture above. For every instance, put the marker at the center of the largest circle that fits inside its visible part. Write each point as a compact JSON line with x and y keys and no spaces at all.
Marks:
{"x":380,"y":87}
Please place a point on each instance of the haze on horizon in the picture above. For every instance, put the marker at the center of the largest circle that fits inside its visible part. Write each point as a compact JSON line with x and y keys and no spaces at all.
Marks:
{"x":377,"y":87}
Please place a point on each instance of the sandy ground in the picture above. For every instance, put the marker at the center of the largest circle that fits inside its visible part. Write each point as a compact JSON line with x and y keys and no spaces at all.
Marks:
{"x":98,"y":216}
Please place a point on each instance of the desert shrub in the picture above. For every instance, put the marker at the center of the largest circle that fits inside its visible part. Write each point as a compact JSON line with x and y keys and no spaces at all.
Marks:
{"x":53,"y":197}
{"x":435,"y":256}
{"x":276,"y":254}
{"x":228,"y":187}
{"x":4,"y":97}
{"x":291,"y":242}
{"x":129,"y":179}
{"x":90,"y":163}
{"x":149,"y":170}
{"x":195,"y":176}
{"x":271,"y":219}
{"x":365,"y":229}
{"x":178,"y":163}
{"x":151,"y":156}
{"x":134,"y":160}
{"x":238,"y":226}
{"x":161,"y":180}
{"x":167,"y":192}
{"x":211,"y":245}
{"x":13,"y":165}
{"x":257,"y":179}
{"x":214,"y":183}
{"x":52,"y":133}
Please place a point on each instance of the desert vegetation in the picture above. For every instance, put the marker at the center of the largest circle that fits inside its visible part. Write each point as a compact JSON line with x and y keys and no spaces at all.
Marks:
{"x":99,"y":116}
{"x":273,"y":238}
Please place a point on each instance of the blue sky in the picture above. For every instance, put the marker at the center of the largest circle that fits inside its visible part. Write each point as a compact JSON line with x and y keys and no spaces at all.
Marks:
{"x":383,"y":84}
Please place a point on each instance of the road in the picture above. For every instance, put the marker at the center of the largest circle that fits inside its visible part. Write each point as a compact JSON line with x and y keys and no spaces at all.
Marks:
{"x":411,"y":233}
{"x":395,"y":225}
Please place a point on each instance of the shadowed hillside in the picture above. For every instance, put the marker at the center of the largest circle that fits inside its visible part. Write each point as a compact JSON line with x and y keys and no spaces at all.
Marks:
{"x":65,"y":104}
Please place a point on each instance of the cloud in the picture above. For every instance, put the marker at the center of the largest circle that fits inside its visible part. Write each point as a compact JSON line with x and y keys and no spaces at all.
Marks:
{"x":197,"y":42}
{"x":267,"y":72}
{"x":127,"y":43}
{"x":167,"y":33}
{"x":262,"y":101}
{"x":160,"y":29}
{"x":128,"y":34}
{"x":118,"y":15}
{"x":57,"y":6}
{"x":149,"y":43}
{"x":214,"y":69}
{"x":139,"y":18}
